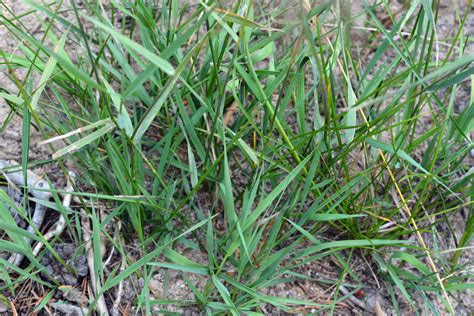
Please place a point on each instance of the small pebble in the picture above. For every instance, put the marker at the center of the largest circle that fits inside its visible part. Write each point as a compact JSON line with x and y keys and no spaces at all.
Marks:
{"x":3,"y":307}
{"x":69,"y":279}
{"x":73,"y":295}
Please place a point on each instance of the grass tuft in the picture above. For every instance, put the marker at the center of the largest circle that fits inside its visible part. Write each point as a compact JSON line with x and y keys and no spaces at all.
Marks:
{"x":239,"y":146}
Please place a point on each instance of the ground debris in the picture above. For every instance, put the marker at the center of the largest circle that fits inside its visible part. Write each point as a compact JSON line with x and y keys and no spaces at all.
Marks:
{"x":71,"y":274}
{"x":69,"y":309}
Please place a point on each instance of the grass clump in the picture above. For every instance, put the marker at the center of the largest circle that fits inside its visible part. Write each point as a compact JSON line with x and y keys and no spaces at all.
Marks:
{"x":262,"y":139}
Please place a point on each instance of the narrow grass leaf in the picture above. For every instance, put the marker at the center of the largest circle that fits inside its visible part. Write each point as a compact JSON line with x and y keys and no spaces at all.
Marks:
{"x":84,"y":142}
{"x":153,"y":111}
{"x":47,"y":72}
{"x":123,"y":120}
{"x":334,"y":217}
{"x":180,"y":267}
{"x":12,"y":98}
{"x":153,"y":58}
{"x":230,"y":16}
{"x":225,"y":295}
{"x":268,"y":200}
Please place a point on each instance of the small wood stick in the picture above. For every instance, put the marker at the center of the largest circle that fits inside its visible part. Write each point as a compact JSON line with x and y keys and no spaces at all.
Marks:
{"x":120,"y":291}
{"x":38,"y":188}
{"x":352,"y":298}
{"x":58,"y":228}
{"x":36,"y":222}
{"x":86,"y":229}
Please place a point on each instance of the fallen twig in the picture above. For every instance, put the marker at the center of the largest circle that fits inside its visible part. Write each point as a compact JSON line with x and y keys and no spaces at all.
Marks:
{"x":352,"y":298}
{"x":36,"y":221}
{"x":120,"y":291}
{"x":86,"y":229}
{"x":38,"y":188}
{"x":58,"y":228}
